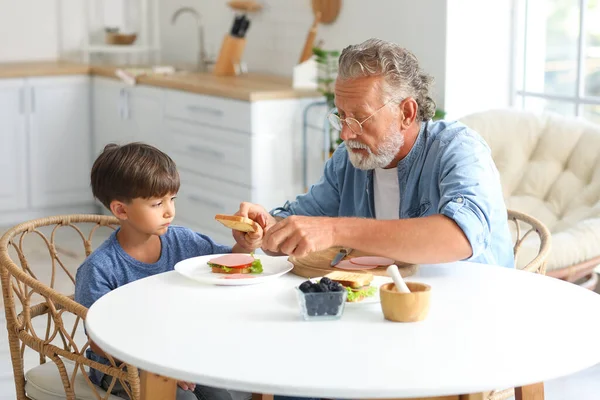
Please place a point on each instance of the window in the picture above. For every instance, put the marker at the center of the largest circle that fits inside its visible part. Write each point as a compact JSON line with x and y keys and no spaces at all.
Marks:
{"x":558,"y":57}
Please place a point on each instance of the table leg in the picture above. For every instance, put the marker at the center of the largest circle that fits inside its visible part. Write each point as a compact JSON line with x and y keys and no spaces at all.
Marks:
{"x":530,"y":392}
{"x":259,"y":396}
{"x":157,"y":387}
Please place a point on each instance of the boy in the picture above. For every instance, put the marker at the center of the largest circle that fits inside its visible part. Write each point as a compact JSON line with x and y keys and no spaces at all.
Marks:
{"x":138,"y":184}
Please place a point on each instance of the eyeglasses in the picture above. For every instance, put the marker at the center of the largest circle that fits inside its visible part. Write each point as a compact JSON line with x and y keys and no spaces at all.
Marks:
{"x":354,"y":125}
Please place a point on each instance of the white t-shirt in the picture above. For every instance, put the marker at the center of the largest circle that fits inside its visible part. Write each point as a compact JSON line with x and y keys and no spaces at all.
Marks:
{"x":387,"y":193}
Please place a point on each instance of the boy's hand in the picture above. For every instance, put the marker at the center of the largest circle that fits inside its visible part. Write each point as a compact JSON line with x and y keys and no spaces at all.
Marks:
{"x":253,"y":240}
{"x":186,"y":385}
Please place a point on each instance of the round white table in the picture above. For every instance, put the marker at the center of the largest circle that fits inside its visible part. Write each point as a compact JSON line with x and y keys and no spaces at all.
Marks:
{"x":488,"y":328}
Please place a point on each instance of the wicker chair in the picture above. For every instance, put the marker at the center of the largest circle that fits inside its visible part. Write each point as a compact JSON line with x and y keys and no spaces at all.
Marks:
{"x":524,"y":225}
{"x":67,"y":373}
{"x":549,"y":168}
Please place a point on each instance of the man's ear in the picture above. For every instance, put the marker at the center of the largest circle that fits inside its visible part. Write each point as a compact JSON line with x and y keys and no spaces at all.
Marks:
{"x":119,"y":209}
{"x":409,"y":108}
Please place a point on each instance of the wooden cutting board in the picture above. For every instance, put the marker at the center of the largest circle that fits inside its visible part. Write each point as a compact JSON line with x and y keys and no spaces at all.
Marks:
{"x":318,"y":264}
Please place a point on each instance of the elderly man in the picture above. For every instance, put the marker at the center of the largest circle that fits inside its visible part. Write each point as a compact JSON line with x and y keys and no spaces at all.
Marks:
{"x":401,"y":185}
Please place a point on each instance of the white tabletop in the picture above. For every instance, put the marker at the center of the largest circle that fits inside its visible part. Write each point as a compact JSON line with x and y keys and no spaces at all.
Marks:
{"x":488,"y":328}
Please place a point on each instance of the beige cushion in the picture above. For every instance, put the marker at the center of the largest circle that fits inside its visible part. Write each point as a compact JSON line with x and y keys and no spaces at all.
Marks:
{"x":550,"y":169}
{"x":44,"y":383}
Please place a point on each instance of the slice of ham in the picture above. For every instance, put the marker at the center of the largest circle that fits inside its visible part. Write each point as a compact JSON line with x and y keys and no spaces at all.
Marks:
{"x":372,"y":260}
{"x":348,"y":266}
{"x":237,"y":276}
{"x":233,"y":260}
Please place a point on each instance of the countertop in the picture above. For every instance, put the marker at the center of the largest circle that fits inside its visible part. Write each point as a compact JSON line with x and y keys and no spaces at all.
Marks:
{"x":247,"y":87}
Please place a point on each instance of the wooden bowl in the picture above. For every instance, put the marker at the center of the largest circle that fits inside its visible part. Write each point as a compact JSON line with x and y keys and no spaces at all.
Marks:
{"x":405,"y":307}
{"x":120,"y":38}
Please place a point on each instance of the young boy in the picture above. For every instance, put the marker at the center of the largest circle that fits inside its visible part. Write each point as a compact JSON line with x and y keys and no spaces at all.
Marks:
{"x":138,"y":184}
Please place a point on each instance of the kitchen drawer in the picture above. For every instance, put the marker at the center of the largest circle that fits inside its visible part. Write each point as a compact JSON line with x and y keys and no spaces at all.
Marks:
{"x":208,"y":110}
{"x":213,"y":152}
{"x":200,"y":199}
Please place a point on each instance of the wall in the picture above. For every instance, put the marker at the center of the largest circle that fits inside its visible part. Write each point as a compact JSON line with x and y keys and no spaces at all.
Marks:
{"x":464,"y":44}
{"x":28,"y":30}
{"x":478,"y":56}
{"x":277,"y":34}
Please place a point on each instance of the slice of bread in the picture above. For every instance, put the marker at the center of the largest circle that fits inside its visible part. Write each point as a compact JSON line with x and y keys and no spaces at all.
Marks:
{"x":237,"y":222}
{"x":218,"y":270}
{"x":351,"y":279}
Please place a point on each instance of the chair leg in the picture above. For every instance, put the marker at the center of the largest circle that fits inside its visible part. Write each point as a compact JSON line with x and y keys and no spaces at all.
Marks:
{"x":13,"y":340}
{"x":530,"y":392}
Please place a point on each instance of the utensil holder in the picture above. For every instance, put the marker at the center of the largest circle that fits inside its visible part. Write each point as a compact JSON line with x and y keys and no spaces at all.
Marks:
{"x":405,"y":307}
{"x":230,"y":55}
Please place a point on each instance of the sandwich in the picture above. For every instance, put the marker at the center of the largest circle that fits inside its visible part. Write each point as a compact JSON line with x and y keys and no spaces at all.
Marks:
{"x":237,"y":222}
{"x":358,"y":285}
{"x":236,"y":264}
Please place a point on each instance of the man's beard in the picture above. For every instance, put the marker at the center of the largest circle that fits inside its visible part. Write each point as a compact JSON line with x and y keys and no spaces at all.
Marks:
{"x":386,"y":152}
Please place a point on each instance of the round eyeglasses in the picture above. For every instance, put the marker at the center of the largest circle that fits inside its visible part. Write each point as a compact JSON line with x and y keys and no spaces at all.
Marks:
{"x":354,"y":124}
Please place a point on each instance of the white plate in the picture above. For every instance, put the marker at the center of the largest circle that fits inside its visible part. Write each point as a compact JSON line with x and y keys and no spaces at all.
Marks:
{"x":376,"y":282}
{"x":196,"y":268}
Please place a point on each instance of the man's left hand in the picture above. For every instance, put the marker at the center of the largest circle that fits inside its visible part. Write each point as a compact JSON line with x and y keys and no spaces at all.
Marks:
{"x":299,"y":235}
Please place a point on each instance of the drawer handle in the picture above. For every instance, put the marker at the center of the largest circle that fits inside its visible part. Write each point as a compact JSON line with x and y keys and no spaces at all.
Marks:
{"x":212,"y":153}
{"x":206,"y":202}
{"x":205,"y":110}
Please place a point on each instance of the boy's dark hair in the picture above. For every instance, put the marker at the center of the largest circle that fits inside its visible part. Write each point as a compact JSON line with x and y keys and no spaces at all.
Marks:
{"x":134,"y":170}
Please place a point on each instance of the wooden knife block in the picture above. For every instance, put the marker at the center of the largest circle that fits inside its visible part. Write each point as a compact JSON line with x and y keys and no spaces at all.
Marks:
{"x":230,"y":55}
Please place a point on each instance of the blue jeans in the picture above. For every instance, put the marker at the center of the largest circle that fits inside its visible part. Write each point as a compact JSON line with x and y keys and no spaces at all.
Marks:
{"x":200,"y":392}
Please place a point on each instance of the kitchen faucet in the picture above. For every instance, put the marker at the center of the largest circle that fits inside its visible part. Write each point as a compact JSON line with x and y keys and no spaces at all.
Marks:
{"x":202,"y":58}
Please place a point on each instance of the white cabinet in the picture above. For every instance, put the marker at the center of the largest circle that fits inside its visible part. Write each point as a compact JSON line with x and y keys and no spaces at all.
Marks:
{"x":123,"y":114}
{"x":59,"y":141}
{"x":13,"y":151}
{"x":46,"y":147}
{"x":228,"y":151}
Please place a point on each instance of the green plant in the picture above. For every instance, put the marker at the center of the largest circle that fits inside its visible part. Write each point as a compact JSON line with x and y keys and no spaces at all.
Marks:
{"x":327,"y":62}
{"x":439,"y":114}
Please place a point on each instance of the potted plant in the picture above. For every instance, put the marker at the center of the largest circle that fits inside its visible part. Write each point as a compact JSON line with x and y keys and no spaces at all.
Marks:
{"x":327,"y":63}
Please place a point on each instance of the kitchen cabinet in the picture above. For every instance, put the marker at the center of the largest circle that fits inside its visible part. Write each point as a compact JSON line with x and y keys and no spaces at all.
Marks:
{"x":228,"y":151}
{"x":59,"y":141}
{"x":13,"y":152}
{"x":123,"y":114}
{"x":46,"y":151}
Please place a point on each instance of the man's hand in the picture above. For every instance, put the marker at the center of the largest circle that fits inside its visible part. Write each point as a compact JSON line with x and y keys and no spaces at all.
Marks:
{"x":299,"y":235}
{"x":253,"y":240}
{"x":186,"y":385}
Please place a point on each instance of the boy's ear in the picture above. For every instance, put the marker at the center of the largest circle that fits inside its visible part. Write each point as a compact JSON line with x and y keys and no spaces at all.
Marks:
{"x":119,"y":209}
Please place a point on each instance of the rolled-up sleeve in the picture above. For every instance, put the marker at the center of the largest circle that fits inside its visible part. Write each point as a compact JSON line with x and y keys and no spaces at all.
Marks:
{"x":469,"y":188}
{"x":322,"y":199}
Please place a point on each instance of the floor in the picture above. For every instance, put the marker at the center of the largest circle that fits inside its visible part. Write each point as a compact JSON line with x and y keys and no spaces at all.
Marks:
{"x":584,"y":385}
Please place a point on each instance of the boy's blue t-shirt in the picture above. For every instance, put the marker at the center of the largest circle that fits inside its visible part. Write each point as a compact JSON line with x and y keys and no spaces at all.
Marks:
{"x":109,"y":267}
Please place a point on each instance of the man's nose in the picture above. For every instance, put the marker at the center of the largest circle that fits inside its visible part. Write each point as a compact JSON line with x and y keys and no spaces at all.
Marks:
{"x":346,"y":133}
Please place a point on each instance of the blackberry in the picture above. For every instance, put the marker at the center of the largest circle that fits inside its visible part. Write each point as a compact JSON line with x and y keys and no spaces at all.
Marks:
{"x":333,"y":310}
{"x":326,"y":281}
{"x":336,"y":287}
{"x":305,"y":286}
{"x":322,"y":309}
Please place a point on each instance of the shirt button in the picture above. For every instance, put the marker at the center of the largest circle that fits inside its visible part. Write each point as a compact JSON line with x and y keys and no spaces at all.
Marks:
{"x":459,"y":200}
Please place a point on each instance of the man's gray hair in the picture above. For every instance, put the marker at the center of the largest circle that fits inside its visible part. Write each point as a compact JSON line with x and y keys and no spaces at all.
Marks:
{"x":398,"y":66}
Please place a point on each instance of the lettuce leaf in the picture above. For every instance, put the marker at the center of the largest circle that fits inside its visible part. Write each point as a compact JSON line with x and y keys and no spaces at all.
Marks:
{"x":224,"y":268}
{"x":356,"y":294}
{"x":256,"y":267}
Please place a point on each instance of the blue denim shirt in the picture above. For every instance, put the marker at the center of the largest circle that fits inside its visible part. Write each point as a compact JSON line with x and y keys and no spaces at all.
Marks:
{"x":448,"y":171}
